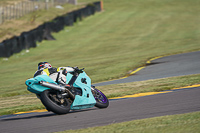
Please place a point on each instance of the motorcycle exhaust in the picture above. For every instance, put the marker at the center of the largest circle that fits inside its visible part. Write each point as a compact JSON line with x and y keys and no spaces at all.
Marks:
{"x":57,"y":87}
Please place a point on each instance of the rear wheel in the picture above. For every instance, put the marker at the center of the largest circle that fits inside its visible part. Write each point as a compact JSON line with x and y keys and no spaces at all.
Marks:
{"x":54,"y":102}
{"x":101,"y":99}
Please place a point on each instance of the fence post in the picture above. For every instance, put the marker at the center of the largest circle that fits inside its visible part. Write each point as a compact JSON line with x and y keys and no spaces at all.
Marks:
{"x":101,"y":5}
{"x":72,"y":2}
{"x":16,"y":11}
{"x":9,"y":12}
{"x":1,"y":15}
{"x":21,"y":11}
{"x":6,"y":13}
{"x":47,"y":1}
{"x":52,"y":2}
{"x":25,"y":7}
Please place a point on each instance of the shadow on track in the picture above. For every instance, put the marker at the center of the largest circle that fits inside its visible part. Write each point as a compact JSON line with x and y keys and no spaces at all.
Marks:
{"x":47,"y":114}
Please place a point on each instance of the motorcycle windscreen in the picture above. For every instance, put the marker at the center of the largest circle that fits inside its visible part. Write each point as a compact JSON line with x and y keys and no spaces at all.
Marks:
{"x":33,"y":85}
{"x":87,"y":99}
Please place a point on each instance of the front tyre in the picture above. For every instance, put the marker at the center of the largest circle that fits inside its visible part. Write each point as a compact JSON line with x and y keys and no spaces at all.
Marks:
{"x":101,"y":99}
{"x":53,"y":103}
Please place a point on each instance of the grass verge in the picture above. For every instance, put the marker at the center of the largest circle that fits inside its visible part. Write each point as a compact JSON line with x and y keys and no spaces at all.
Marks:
{"x":154,"y":85}
{"x":10,"y":105}
{"x":182,"y":123}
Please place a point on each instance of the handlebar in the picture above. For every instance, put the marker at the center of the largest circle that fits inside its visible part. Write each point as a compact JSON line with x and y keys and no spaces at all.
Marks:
{"x":77,"y":70}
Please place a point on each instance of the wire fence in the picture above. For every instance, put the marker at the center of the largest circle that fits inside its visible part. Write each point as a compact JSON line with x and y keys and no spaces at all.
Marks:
{"x":19,"y":9}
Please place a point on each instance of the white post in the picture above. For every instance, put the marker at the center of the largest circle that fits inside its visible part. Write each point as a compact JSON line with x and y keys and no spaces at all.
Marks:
{"x":75,"y":2}
{"x":47,"y":1}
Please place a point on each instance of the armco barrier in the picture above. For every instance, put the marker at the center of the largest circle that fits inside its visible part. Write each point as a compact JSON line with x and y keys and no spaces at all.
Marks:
{"x":43,"y":32}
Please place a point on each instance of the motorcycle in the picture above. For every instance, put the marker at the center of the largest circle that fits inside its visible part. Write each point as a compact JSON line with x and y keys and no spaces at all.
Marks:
{"x":60,"y":99}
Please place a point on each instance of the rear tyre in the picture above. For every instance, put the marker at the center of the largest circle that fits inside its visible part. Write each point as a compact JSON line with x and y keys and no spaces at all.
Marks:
{"x":54,"y":104}
{"x":101,"y":99}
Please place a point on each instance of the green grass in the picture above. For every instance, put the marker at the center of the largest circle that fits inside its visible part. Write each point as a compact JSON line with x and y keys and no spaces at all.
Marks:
{"x":155,"y":85}
{"x":182,"y":123}
{"x":111,"y":43}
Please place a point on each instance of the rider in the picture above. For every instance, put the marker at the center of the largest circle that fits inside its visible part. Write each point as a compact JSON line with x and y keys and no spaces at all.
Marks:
{"x":57,"y":74}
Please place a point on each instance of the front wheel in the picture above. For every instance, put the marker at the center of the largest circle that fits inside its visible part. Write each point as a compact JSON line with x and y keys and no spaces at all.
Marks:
{"x":53,"y":103}
{"x":101,"y":99}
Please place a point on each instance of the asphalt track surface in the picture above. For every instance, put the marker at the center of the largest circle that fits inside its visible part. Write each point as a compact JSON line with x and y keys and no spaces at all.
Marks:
{"x":169,"y":66}
{"x":167,"y":103}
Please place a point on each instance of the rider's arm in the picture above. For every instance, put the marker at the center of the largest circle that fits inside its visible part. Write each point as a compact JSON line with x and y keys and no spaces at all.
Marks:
{"x":39,"y":72}
{"x":68,"y":69}
{"x":46,"y":71}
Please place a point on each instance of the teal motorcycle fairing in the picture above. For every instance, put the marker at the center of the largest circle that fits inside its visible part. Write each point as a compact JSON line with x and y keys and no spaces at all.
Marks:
{"x":34,"y":86}
{"x":87,"y":99}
